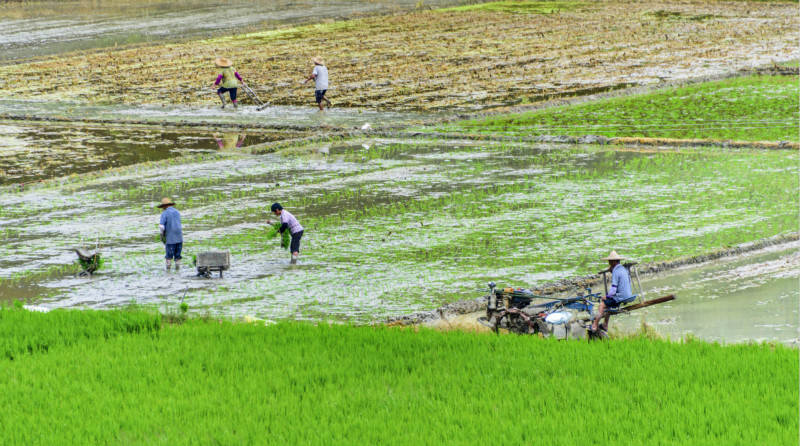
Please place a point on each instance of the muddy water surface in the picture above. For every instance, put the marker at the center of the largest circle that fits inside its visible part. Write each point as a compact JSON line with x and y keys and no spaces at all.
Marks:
{"x":32,"y":152}
{"x":750,"y":297}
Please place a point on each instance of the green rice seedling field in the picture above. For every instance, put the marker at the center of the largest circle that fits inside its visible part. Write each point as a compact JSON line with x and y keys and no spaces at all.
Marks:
{"x":302,"y":384}
{"x":754,"y":108}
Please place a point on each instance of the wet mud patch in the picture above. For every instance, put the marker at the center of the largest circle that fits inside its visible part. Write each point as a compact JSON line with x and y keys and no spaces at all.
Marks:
{"x":293,"y":121}
{"x":43,"y":27}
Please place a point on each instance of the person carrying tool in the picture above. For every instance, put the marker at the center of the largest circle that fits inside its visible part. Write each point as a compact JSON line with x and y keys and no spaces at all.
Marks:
{"x":320,"y":75}
{"x":619,"y":292}
{"x":289,"y":223}
{"x":171,"y":232}
{"x":228,"y":77}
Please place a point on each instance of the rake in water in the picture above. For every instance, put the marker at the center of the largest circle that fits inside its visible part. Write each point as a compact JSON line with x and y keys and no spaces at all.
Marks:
{"x":261,"y":105}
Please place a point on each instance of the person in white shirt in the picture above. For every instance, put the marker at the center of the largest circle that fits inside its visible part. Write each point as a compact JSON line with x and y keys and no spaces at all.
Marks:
{"x":320,"y":76}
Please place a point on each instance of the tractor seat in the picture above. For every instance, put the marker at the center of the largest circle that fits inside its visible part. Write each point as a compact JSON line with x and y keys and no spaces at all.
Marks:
{"x":618,"y":308}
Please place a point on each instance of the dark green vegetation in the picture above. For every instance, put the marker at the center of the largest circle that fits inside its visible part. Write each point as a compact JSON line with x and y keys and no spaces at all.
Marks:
{"x":299,"y":384}
{"x":755,"y":108}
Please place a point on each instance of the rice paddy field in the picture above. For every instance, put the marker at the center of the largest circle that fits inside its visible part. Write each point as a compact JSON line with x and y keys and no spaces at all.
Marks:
{"x":439,"y":59}
{"x":392,"y":226}
{"x":465,"y":145}
{"x":142,"y":381}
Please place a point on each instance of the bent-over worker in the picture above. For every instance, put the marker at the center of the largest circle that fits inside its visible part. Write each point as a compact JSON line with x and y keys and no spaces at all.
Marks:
{"x":171,"y":232}
{"x":619,"y":292}
{"x":228,"y":77}
{"x":289,"y":223}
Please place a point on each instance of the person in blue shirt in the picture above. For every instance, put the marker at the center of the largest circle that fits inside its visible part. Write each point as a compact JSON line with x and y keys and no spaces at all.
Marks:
{"x":619,"y":292}
{"x":171,"y":232}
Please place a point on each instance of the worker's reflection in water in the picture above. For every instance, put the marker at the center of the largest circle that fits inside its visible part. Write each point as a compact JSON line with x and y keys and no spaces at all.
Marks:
{"x":229,"y":141}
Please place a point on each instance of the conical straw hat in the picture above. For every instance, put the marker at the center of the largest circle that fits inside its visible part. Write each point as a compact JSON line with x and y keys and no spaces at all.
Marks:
{"x":166,"y":202}
{"x":223,"y":62}
{"x":318,"y":60}
{"x":613,"y":256}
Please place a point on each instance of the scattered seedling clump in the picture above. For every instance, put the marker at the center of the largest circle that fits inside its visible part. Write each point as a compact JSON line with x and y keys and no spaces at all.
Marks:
{"x":274,"y":231}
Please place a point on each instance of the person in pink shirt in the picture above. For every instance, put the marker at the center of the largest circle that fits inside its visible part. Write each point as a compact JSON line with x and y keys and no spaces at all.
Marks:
{"x":229,"y":78}
{"x":289,"y":223}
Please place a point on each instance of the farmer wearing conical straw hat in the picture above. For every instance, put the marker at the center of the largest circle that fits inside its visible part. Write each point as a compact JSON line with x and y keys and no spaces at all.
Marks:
{"x":171,"y":232}
{"x":320,"y":75}
{"x":620,"y":289}
{"x":228,"y":77}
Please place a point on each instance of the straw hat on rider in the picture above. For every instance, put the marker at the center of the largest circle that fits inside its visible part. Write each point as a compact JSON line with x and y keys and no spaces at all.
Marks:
{"x":165,"y":202}
{"x":223,"y":62}
{"x":317,"y":60}
{"x":613,"y":256}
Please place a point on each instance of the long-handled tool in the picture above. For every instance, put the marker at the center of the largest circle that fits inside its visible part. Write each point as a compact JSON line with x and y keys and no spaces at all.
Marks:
{"x":261,"y":105}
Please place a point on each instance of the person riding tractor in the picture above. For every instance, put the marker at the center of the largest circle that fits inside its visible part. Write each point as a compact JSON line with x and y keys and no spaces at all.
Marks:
{"x":619,"y":293}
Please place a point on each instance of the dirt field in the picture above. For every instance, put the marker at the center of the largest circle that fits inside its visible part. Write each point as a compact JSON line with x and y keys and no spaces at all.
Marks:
{"x":435,"y":59}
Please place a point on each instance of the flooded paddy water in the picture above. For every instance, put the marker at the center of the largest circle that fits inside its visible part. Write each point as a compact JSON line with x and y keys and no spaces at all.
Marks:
{"x":35,"y":151}
{"x":752,"y":297}
{"x":392,"y":227}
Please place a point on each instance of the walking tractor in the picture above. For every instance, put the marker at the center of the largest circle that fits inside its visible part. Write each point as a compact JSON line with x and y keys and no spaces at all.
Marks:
{"x":521,"y":311}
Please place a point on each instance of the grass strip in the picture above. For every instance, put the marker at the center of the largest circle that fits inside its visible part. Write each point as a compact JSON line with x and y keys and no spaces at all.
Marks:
{"x":753,"y":108}
{"x":301,"y":384}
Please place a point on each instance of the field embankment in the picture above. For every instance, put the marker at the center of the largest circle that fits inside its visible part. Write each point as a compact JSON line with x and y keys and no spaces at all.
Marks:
{"x":440,"y":59}
{"x":293,"y":383}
